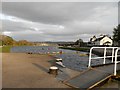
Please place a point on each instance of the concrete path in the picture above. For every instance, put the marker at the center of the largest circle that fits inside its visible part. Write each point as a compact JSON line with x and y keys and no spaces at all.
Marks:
{"x":20,"y":70}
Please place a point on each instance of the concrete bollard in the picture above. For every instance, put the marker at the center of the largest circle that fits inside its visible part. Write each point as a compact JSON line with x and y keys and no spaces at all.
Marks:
{"x":59,"y":59}
{"x":53,"y":70}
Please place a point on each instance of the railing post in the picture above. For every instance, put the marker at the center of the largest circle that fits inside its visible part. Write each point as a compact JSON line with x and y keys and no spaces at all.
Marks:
{"x":89,"y":65}
{"x":104,"y":55}
{"x":113,"y":54}
{"x":115,"y":66}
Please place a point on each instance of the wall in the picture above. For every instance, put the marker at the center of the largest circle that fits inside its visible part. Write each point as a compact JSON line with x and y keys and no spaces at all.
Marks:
{"x":105,"y":39}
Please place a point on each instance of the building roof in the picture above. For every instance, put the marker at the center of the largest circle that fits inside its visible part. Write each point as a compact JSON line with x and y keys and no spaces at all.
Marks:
{"x":100,"y":38}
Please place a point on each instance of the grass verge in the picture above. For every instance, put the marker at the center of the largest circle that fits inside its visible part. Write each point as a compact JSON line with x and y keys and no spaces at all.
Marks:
{"x":5,"y":49}
{"x":84,"y":49}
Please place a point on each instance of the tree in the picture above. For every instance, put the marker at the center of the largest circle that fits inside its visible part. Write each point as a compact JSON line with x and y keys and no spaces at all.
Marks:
{"x":24,"y":42}
{"x":116,"y":35}
{"x":7,"y":40}
{"x":79,"y":42}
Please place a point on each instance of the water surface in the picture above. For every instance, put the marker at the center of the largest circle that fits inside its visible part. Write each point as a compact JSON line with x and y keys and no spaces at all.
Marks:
{"x":71,"y":59}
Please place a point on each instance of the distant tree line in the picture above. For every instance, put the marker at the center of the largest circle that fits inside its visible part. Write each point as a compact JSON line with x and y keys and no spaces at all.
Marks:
{"x":116,"y":36}
{"x":7,"y":40}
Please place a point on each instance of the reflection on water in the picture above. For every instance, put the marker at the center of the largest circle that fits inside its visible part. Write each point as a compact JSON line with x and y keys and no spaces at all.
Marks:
{"x":34,"y":49}
{"x":71,"y":58}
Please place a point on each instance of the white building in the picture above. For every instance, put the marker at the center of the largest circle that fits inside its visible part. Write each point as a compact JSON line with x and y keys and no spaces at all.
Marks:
{"x":102,"y":40}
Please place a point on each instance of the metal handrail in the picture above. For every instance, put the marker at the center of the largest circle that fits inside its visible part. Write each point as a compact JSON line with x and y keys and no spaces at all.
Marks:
{"x":115,"y":66}
{"x":114,"y":54}
{"x":104,"y":57}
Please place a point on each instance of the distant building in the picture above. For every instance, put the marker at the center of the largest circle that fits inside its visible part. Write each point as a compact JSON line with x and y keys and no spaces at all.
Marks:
{"x":102,"y":40}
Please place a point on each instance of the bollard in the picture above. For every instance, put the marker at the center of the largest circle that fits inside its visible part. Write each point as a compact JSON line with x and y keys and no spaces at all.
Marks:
{"x":53,"y":70}
{"x":59,"y":59}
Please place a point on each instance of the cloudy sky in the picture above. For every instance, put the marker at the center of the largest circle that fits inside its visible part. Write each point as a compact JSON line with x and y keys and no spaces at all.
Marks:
{"x":58,"y":21}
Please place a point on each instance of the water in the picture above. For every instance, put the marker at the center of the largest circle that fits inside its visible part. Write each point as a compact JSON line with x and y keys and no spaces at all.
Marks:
{"x":71,"y":59}
{"x":34,"y":49}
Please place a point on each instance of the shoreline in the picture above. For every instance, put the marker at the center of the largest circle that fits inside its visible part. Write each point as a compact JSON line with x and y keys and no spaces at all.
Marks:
{"x":83,"y":49}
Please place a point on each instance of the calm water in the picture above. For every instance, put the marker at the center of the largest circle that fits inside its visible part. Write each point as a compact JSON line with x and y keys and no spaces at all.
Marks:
{"x":71,"y":59}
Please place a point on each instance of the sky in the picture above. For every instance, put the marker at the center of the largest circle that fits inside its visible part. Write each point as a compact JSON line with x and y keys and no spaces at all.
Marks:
{"x":58,"y":21}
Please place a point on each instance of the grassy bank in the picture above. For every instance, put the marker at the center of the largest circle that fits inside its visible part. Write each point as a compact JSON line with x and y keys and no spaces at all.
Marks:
{"x":84,"y":49}
{"x":5,"y":49}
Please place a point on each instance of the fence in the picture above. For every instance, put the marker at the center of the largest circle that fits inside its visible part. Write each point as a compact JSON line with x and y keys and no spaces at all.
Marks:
{"x":114,"y":54}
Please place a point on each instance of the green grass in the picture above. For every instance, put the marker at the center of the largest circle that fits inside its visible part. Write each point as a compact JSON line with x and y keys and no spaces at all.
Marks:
{"x":5,"y":49}
{"x":85,"y":49}
{"x":0,"y":43}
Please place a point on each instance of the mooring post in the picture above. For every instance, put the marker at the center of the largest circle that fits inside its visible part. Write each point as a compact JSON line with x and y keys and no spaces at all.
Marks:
{"x":53,"y":70}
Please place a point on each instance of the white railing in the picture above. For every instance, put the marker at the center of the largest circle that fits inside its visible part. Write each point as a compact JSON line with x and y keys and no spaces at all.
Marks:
{"x":115,"y":66}
{"x":114,"y":54}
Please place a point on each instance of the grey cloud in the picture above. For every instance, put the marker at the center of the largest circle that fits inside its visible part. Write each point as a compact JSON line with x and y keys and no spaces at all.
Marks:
{"x":119,"y":12}
{"x":52,"y":12}
{"x":79,"y":19}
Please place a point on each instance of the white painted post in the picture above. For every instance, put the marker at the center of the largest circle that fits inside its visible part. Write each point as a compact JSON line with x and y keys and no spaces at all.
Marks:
{"x":104,"y":55}
{"x":115,"y":66}
{"x":113,"y":54}
{"x":89,"y":65}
